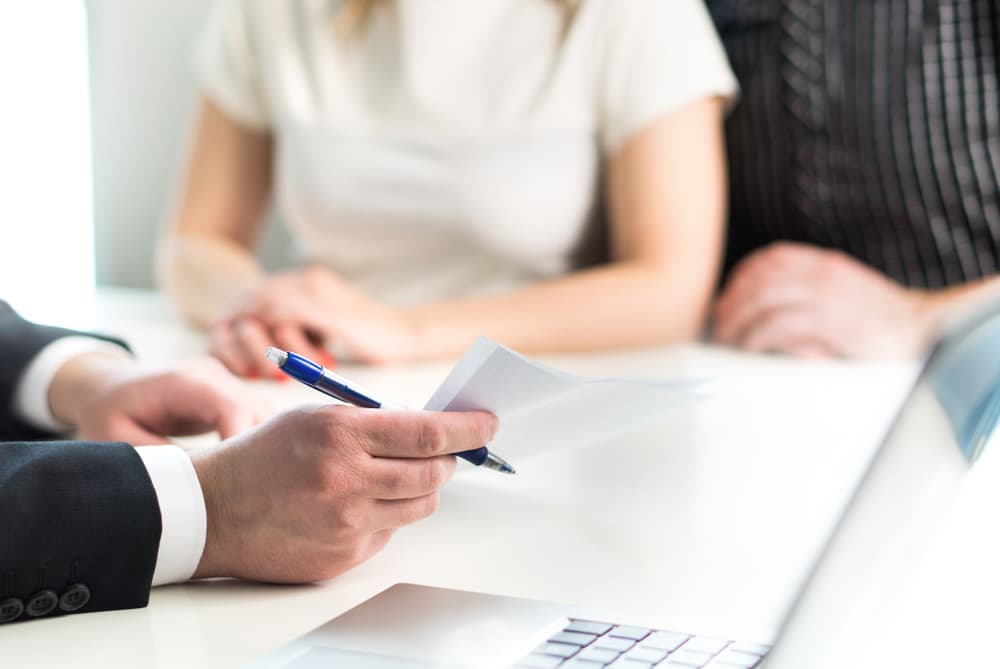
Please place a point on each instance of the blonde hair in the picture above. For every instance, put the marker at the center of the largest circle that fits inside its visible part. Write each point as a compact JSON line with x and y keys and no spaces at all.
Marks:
{"x":355,"y":13}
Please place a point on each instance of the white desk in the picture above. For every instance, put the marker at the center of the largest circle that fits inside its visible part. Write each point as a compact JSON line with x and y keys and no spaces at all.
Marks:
{"x":710,"y":517}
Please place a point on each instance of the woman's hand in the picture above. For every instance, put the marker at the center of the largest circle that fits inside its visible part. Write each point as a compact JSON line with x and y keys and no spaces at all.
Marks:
{"x":311,"y":311}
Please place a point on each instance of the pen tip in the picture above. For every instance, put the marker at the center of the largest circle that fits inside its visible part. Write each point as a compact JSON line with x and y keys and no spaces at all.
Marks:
{"x":497,"y":464}
{"x":276,"y":355}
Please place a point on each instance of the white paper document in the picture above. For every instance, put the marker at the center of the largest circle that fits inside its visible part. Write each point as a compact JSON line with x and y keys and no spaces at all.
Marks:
{"x":542,"y":409}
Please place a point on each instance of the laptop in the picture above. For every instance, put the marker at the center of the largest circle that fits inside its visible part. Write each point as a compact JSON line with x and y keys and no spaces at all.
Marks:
{"x":912,"y":478}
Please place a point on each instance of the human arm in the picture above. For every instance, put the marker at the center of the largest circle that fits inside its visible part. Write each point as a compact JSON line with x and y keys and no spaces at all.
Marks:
{"x":54,"y":380}
{"x":666,"y":191}
{"x":804,"y":300}
{"x":301,"y":498}
{"x":22,"y":343}
{"x":102,"y":396}
{"x":206,"y":261}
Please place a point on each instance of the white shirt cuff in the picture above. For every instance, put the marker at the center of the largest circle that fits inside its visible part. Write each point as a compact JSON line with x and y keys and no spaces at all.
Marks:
{"x":182,"y":510}
{"x":31,"y":397}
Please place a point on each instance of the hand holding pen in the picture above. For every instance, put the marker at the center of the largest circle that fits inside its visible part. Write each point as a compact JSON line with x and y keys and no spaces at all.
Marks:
{"x":315,"y":376}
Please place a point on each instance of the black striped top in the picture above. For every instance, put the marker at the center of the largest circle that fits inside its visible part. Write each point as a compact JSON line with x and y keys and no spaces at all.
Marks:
{"x":872,"y":127}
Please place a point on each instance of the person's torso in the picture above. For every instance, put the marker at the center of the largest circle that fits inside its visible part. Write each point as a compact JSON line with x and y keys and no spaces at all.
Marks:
{"x":870,"y":127}
{"x":447,"y":148}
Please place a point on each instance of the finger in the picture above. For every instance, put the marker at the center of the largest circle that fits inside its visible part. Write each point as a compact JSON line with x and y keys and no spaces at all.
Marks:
{"x":189,"y":408}
{"x":778,"y":330}
{"x":233,"y":420}
{"x":390,"y":514}
{"x":199,"y":397}
{"x":223,"y":346}
{"x":253,"y":340}
{"x":771,"y":294}
{"x":392,"y":478}
{"x":779,"y":260}
{"x":293,"y":338}
{"x":742,"y":279}
{"x":420,"y":434}
{"x":376,"y":542}
{"x":130,"y":432}
{"x":247,"y":400}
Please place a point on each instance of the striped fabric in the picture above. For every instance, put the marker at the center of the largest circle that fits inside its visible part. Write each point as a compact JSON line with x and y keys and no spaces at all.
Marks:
{"x":872,"y":127}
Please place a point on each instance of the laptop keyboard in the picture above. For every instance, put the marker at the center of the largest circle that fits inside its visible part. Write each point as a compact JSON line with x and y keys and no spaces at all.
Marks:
{"x":584,"y":644}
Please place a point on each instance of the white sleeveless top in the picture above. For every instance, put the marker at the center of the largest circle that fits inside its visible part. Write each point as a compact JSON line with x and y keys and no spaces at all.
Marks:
{"x":452,"y":147}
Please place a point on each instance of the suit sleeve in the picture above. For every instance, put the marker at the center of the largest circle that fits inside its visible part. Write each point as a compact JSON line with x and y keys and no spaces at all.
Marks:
{"x":79,"y":529}
{"x":20,"y":342}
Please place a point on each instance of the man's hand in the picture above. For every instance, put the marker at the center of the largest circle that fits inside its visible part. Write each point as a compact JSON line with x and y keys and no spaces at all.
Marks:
{"x":803,"y":300}
{"x":310,"y":311}
{"x":108,"y":397}
{"x":315,"y":491}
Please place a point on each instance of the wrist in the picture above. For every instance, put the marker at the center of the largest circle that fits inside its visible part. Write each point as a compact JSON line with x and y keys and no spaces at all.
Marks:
{"x":206,"y":468}
{"x":83,"y":378}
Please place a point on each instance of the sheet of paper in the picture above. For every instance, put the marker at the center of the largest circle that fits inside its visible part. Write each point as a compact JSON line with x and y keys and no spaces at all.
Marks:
{"x":542,"y":409}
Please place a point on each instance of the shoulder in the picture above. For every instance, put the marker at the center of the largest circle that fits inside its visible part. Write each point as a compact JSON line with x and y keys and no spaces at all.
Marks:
{"x":664,"y":30}
{"x":654,"y":14}
{"x":262,"y":18}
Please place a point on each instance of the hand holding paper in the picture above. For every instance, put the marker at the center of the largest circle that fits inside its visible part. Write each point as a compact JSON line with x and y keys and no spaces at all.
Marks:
{"x":542,"y":409}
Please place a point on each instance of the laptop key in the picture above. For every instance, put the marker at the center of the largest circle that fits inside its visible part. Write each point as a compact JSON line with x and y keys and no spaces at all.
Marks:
{"x":626,"y":632}
{"x":588,"y":627}
{"x":575,"y":638}
{"x":615,"y":643}
{"x":604,"y":655}
{"x":577,"y":663}
{"x":704,"y":644}
{"x":651,"y":655}
{"x":691,"y":658}
{"x":626,"y":663}
{"x":666,"y":640}
{"x":539,"y":662}
{"x":557,"y":649}
{"x":752,"y":648}
{"x":734,"y":658}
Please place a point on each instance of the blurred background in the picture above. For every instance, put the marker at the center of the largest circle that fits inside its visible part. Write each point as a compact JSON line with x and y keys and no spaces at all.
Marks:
{"x":94,"y":135}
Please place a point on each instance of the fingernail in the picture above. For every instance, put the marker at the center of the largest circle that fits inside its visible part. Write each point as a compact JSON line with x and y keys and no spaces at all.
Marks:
{"x":329,"y":360}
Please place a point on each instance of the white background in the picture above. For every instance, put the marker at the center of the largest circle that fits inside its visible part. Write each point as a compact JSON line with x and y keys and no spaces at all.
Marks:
{"x":46,"y":228}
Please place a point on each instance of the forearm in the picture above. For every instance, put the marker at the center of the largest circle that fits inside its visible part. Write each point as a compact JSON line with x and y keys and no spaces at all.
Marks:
{"x":207,"y":276}
{"x":667,"y":209}
{"x":207,"y":261}
{"x":79,"y":513}
{"x":629,"y":303}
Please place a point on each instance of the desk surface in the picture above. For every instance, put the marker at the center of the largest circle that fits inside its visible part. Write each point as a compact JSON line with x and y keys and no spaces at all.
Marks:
{"x":709,"y":517}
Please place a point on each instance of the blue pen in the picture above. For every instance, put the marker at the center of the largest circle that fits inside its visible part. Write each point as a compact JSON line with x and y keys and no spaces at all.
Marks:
{"x":306,"y":371}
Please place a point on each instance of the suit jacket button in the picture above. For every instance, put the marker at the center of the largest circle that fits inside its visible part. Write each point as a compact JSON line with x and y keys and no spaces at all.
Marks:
{"x":11,"y":609}
{"x":42,"y":603}
{"x":74,"y":598}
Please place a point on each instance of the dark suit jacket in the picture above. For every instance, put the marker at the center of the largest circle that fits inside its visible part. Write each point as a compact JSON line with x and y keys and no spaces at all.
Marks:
{"x":79,"y":522}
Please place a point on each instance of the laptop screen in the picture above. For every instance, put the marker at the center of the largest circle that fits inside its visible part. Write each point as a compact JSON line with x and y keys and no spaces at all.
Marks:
{"x":914,"y":476}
